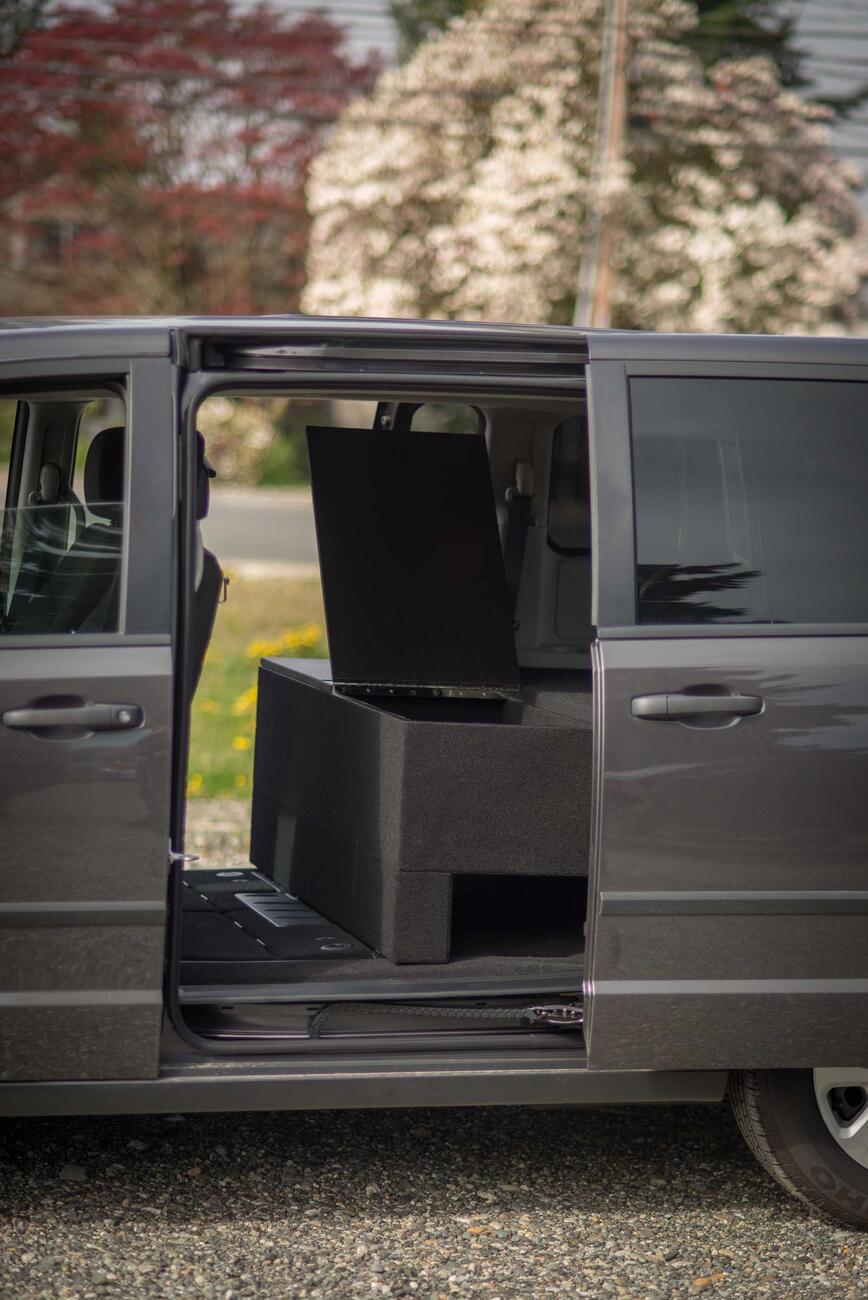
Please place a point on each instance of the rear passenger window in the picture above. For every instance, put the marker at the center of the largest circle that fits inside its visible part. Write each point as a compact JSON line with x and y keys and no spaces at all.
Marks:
{"x":751,"y":500}
{"x":569,"y":489}
{"x":62,"y":529}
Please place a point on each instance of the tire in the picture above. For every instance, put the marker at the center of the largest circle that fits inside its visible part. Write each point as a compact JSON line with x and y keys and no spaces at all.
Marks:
{"x":779,"y":1115}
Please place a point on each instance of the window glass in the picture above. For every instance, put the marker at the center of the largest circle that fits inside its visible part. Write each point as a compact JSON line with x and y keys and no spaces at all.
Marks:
{"x":446,"y":417}
{"x":569,"y":490}
{"x":750,"y":500}
{"x":62,"y":531}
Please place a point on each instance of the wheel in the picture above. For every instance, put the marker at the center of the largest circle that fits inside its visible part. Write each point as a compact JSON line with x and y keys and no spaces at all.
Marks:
{"x":809,"y":1129}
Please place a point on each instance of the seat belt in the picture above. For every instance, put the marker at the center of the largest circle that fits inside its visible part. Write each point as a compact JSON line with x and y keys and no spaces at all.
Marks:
{"x":519,"y":499}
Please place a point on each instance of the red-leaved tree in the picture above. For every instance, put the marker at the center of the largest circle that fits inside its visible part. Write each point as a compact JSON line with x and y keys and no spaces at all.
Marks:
{"x":155,"y":155}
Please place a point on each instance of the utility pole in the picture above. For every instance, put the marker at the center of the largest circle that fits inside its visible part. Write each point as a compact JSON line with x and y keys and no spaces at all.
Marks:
{"x":594,"y":292}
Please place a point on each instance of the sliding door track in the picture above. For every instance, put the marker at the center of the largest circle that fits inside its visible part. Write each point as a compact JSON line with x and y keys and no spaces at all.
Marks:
{"x":387,"y":990}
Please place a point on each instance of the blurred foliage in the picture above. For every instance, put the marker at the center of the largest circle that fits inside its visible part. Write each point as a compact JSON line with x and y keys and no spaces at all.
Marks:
{"x":288,"y":619}
{"x":8,"y":406}
{"x":155,"y":153}
{"x":727,"y":29}
{"x":737,"y":29}
{"x":416,"y":20}
{"x":17,"y":18}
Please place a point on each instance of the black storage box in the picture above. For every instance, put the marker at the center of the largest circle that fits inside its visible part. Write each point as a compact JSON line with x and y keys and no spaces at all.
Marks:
{"x":410,"y":758}
{"x":367,"y":809}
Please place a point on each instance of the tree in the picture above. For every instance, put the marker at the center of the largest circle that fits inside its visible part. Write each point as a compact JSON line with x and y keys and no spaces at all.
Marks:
{"x":416,"y":20}
{"x":17,"y":17}
{"x":741,"y":29}
{"x":156,"y":154}
{"x":460,"y":186}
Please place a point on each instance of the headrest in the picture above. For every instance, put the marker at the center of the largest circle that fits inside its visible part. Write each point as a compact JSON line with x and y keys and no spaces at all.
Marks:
{"x":48,"y":490}
{"x":104,"y":468}
{"x":204,"y":471}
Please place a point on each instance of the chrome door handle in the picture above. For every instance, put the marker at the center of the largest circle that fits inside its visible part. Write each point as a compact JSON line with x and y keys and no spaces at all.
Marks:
{"x":673,"y":708}
{"x":89,"y":717}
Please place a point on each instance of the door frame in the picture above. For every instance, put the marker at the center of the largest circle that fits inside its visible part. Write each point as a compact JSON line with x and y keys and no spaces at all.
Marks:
{"x":302,"y":361}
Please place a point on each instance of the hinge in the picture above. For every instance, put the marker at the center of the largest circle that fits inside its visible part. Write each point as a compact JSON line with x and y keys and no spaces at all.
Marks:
{"x":175,"y":858}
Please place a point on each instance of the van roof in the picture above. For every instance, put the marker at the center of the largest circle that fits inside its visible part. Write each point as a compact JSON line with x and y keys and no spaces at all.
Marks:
{"x":37,"y":337}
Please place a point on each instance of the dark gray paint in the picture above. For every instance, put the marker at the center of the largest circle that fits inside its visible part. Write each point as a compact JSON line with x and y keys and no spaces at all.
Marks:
{"x":660,"y":995}
{"x":771,"y":802}
{"x":152,"y":491}
{"x":99,"y":913}
{"x":544,"y":1076}
{"x":85,"y":818}
{"x":732,"y":902}
{"x":84,"y":826}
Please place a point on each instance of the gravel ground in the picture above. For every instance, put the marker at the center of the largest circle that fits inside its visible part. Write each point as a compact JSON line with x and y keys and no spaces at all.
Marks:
{"x":218,"y":830}
{"x":635,"y":1202}
{"x":502,"y":1203}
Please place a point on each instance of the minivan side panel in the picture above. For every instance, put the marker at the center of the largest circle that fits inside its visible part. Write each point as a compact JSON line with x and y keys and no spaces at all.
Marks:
{"x":85,"y":814}
{"x":732,"y":913}
{"x":729,"y":921}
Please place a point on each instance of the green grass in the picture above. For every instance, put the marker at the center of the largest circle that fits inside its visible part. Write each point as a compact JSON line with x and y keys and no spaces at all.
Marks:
{"x":261,"y":617}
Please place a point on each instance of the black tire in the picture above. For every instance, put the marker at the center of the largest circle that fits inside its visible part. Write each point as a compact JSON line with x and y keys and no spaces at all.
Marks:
{"x":780,"y":1119}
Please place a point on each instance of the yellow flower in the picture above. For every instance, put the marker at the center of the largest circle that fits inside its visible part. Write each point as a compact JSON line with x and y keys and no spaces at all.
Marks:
{"x":288,"y":643}
{"x":242,"y":742}
{"x":196,"y":784}
{"x":246,"y":702}
{"x":209,"y":706}
{"x":240,"y":780}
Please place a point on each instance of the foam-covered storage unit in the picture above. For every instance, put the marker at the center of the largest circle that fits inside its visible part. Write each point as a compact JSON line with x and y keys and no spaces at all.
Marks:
{"x":367,"y":809}
{"x":410,"y":757}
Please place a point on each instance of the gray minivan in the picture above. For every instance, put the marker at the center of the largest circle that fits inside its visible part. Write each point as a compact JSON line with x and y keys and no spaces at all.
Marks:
{"x":574,"y":813}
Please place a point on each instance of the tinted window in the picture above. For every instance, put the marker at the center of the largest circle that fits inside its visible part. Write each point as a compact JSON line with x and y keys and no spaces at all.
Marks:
{"x":61,"y":537}
{"x":751,"y":500}
{"x":569,"y":490}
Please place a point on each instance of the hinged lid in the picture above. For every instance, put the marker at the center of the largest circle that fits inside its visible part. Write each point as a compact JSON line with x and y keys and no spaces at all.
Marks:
{"x":412,"y":569}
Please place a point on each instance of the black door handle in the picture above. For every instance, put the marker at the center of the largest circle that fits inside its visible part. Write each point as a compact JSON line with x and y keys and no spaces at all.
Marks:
{"x":86,"y":717}
{"x":673,"y":708}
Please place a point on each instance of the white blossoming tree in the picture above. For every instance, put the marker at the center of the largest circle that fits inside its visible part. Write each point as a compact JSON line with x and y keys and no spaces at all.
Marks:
{"x":460,"y":187}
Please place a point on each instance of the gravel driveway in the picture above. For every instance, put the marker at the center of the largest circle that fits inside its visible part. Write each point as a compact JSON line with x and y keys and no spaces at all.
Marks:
{"x":501,"y":1203}
{"x":635,"y":1202}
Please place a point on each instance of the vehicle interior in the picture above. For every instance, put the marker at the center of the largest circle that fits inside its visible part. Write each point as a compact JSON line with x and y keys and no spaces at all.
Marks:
{"x":63,"y":523}
{"x":422,"y":798}
{"x":420,"y":830}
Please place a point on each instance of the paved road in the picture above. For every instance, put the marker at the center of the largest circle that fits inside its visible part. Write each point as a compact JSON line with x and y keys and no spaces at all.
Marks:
{"x":261,"y":530}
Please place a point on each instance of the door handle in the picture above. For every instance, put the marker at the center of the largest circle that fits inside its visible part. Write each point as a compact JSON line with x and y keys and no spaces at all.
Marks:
{"x":87,"y":717}
{"x":673,"y":708}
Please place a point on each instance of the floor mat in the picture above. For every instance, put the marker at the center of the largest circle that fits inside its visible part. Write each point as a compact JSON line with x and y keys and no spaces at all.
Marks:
{"x":241,"y":916}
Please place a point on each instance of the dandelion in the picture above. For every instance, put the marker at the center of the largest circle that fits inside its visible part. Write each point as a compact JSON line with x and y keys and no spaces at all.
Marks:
{"x":241,"y":742}
{"x":196,"y":784}
{"x":240,"y":781}
{"x":246,"y":702}
{"x":295,"y":640}
{"x":209,"y":706}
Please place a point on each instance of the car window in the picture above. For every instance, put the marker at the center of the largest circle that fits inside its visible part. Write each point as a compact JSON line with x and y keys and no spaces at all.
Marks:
{"x":569,"y":521}
{"x":62,"y":531}
{"x":750,"y":500}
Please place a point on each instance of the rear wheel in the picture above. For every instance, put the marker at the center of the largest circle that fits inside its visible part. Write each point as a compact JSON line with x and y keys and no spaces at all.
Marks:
{"x":809,"y":1129}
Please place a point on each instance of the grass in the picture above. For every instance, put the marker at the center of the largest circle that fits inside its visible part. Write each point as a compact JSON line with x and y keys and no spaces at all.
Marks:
{"x":266,"y":616}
